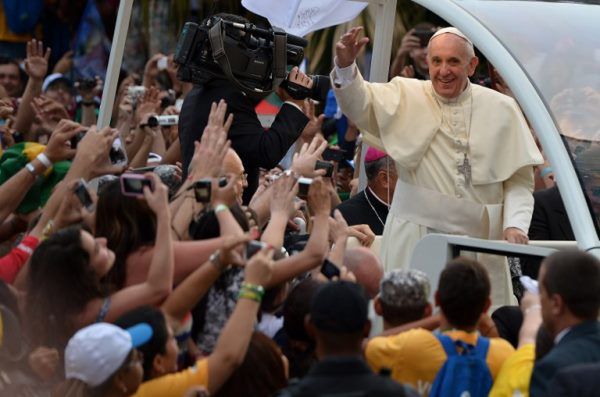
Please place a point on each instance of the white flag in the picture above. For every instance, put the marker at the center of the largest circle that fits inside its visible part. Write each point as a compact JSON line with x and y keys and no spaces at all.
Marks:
{"x":300,"y":17}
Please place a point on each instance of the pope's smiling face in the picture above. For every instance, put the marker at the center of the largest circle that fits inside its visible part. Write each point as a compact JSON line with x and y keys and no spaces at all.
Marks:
{"x":450,"y":65}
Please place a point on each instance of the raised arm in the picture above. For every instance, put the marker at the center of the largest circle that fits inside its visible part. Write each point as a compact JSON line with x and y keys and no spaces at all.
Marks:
{"x":36,"y":67}
{"x":192,"y":289}
{"x":233,"y":342}
{"x":14,"y":190}
{"x":159,"y":281}
{"x":283,"y":192}
{"x":318,"y":243}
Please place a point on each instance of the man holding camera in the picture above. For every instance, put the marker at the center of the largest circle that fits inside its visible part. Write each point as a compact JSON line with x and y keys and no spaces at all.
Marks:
{"x":444,"y":136}
{"x":256,"y":147}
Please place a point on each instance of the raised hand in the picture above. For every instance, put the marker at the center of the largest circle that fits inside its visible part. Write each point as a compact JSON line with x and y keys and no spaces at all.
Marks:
{"x":157,"y":197}
{"x":209,"y":153}
{"x":148,"y":105}
{"x":304,"y":162}
{"x":92,"y":157}
{"x":36,"y":63}
{"x":259,"y":268}
{"x":49,"y":112}
{"x":319,"y":200}
{"x":348,"y":47}
{"x":283,"y":191}
{"x":59,"y":145}
{"x":315,"y":123}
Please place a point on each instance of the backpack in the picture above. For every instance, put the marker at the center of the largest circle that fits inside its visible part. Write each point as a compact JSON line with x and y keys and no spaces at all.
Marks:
{"x":465,"y":374}
{"x":22,"y":15}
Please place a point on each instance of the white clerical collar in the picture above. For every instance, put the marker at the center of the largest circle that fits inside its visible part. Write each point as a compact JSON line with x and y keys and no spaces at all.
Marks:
{"x":377,"y":197}
{"x":466,"y":94}
{"x":561,"y":335}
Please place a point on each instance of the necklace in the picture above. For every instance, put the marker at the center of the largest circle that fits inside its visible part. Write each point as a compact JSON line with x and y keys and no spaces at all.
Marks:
{"x":373,"y":208}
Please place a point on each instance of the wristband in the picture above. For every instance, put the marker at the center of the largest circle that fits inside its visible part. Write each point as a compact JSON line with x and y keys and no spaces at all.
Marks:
{"x":257,"y":289}
{"x":221,"y":207}
{"x":248,"y":294}
{"x":42,"y":158}
{"x":545,"y":171}
{"x":31,"y":168}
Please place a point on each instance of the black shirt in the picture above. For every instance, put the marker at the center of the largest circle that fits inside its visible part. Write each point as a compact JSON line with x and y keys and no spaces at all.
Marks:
{"x":357,"y":211}
{"x":345,"y":376}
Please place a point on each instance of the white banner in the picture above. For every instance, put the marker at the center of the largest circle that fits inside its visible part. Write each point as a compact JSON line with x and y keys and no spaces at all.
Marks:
{"x":300,"y":17}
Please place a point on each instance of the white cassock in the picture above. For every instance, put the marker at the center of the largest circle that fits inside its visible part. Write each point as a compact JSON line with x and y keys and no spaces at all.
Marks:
{"x":465,"y":165}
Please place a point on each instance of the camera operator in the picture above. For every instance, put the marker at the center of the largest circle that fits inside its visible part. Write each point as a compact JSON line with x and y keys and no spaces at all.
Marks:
{"x":255,"y":146}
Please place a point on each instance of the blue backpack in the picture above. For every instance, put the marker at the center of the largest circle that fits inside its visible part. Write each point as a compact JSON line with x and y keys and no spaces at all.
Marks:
{"x":465,"y":374}
{"x":22,"y":15}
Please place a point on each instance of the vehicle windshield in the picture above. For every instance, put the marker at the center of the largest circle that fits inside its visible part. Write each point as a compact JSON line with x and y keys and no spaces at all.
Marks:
{"x":558,"y":46}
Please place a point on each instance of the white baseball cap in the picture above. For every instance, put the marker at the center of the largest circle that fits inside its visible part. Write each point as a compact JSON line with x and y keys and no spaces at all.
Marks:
{"x":97,"y":351}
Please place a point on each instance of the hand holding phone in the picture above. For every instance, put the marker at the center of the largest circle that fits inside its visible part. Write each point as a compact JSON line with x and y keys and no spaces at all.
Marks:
{"x":325,"y":165}
{"x":253,"y":247}
{"x":329,"y":270}
{"x":84,"y":196}
{"x":133,"y":184}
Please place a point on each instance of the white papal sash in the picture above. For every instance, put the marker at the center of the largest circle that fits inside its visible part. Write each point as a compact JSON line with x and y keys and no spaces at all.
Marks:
{"x":446,"y":214}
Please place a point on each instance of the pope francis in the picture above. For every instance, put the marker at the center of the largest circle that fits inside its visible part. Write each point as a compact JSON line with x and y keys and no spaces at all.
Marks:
{"x":464,"y":153}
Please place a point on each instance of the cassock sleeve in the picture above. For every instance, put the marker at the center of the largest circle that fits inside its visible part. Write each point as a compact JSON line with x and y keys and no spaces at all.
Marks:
{"x":518,"y":199}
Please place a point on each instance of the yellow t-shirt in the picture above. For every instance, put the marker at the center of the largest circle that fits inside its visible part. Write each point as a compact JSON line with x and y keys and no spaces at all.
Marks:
{"x":176,"y":384}
{"x":416,"y":356}
{"x":515,"y":374}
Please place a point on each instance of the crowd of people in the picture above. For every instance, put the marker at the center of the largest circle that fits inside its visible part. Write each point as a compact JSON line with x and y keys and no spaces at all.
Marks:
{"x":209,"y":254}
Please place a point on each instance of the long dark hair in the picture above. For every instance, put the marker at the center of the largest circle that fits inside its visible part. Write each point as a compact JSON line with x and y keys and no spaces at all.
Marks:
{"x":261,"y":374}
{"x":61,"y":282}
{"x":127,"y":224}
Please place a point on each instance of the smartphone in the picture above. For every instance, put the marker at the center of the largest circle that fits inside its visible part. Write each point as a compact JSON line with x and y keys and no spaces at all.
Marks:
{"x":202,"y":190}
{"x":179,"y":104}
{"x":133,"y":185}
{"x":325,"y":165}
{"x":117,"y":153}
{"x":329,"y":270}
{"x":331,"y":154}
{"x":303,"y":187}
{"x":203,"y":187}
{"x":83,"y":194}
{"x":78,"y":137}
{"x":253,"y":247}
{"x":162,"y":63}
{"x":424,"y":36}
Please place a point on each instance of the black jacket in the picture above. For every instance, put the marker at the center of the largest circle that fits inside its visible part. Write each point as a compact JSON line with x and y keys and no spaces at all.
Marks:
{"x":357,"y":211}
{"x":577,"y":381}
{"x":345,"y":376}
{"x":255,"y":147}
{"x":580,"y":345}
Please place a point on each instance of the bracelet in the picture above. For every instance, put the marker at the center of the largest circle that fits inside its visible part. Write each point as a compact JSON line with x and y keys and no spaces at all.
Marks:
{"x":257,"y":289}
{"x":215,"y":259}
{"x":221,"y":207}
{"x":245,"y":294}
{"x":48,"y":229}
{"x":532,"y":307}
{"x":44,"y":160}
{"x":545,"y":171}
